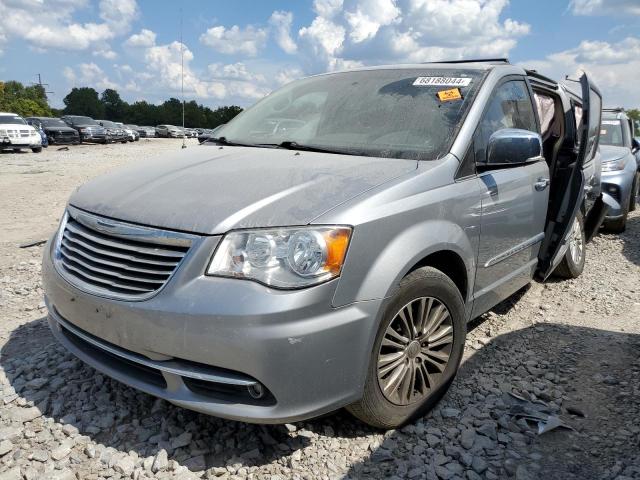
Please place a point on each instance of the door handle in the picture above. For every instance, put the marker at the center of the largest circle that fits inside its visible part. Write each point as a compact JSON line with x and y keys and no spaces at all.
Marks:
{"x":541,"y":184}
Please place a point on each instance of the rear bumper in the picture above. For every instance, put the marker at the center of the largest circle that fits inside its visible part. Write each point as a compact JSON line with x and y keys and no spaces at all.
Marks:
{"x":310,"y":358}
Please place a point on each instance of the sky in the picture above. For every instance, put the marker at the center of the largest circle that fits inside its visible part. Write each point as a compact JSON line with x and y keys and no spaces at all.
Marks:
{"x":237,"y":51}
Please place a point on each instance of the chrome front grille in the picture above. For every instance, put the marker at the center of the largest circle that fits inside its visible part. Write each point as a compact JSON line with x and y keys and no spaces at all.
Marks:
{"x":116,"y":259}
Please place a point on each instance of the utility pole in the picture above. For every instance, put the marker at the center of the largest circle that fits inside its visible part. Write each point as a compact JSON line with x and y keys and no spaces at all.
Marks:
{"x":42,"y":85}
{"x":184,"y":139}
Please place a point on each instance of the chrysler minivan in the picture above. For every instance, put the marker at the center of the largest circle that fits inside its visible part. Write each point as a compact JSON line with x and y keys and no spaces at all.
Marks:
{"x":328,"y":246}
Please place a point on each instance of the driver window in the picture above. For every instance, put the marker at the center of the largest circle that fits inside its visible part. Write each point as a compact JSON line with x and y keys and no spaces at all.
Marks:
{"x":509,"y":107}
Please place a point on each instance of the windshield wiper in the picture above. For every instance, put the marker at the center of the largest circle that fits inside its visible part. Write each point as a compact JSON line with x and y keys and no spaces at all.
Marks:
{"x":224,"y":141}
{"x":290,"y":145}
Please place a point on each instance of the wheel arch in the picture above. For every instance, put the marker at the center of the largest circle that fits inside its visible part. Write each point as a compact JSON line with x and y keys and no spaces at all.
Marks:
{"x":451,"y":264}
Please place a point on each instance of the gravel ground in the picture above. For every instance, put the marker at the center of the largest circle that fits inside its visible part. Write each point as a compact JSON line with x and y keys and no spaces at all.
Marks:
{"x":568,"y":350}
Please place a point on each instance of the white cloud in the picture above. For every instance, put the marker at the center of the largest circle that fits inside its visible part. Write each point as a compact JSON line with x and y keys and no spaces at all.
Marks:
{"x":105,"y":52}
{"x":287,"y":75}
{"x":354,"y":32}
{"x":327,"y":8}
{"x":612,"y":66}
{"x":281,"y":23}
{"x":605,"y":7}
{"x":146,"y":38}
{"x":235,"y":40}
{"x":88,"y":75}
{"x":324,"y":40}
{"x":49,"y":24}
{"x":369,"y":16}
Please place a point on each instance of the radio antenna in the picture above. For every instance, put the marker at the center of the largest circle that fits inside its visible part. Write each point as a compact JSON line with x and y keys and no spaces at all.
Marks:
{"x":184,"y":135}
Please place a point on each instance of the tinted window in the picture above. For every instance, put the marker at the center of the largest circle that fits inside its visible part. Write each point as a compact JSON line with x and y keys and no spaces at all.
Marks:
{"x":82,"y":121}
{"x":53,"y":122}
{"x":381,"y":113}
{"x":509,"y":107}
{"x":12,"y":120}
{"x":611,"y":133}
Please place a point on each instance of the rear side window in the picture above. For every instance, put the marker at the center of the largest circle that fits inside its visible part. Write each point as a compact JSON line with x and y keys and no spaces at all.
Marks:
{"x":509,"y":107}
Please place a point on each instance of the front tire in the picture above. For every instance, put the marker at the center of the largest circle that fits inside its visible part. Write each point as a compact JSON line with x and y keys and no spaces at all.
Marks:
{"x":417,"y":350}
{"x":36,"y":149}
{"x":572,"y":264}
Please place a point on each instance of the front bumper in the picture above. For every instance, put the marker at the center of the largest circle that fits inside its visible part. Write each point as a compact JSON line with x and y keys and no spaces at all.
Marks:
{"x":63,"y":139}
{"x":310,"y":358}
{"x":618,"y":184}
{"x":94,"y":137}
{"x":24,"y":142}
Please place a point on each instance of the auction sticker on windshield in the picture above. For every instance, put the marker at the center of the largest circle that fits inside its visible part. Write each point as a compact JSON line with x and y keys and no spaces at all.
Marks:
{"x":442,"y":82}
{"x":448,"y":95}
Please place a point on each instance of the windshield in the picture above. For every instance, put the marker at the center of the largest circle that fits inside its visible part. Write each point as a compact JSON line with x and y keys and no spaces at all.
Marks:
{"x":611,"y":133}
{"x":401,"y":113}
{"x":83,"y":121}
{"x":12,"y":120}
{"x":53,"y":122}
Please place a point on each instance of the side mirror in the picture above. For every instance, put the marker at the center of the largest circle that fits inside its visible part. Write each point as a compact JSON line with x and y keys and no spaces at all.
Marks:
{"x":635,"y":145}
{"x":512,"y":146}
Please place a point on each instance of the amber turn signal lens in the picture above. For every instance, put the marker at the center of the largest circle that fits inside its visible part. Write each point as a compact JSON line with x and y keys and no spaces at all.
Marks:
{"x":337,"y":243}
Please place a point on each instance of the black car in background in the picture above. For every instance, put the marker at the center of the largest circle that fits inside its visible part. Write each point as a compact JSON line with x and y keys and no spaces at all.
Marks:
{"x":57,"y":131}
{"x":87,"y":127}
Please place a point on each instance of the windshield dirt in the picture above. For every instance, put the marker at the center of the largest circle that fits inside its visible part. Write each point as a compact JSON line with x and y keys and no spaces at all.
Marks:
{"x":401,"y":113}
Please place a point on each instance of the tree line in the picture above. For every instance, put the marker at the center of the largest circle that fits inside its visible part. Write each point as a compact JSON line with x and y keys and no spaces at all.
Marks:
{"x":31,"y":101}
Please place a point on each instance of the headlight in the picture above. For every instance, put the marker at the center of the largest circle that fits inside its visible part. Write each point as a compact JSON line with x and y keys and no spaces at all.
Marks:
{"x":283,"y":257}
{"x":614,"y":165}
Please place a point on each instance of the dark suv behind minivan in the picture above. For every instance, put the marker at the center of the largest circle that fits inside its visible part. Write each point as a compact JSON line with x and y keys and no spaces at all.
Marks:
{"x":327,"y":247}
{"x":87,"y":127}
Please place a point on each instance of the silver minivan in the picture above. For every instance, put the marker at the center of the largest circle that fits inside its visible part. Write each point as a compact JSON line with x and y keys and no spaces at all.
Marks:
{"x":329,"y":245}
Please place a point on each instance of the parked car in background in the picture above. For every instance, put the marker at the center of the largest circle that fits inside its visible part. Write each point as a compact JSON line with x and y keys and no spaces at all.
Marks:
{"x":16,"y":134}
{"x":168,"y":131}
{"x":620,"y":176}
{"x":43,"y":137}
{"x":114,"y":132}
{"x":87,"y":127}
{"x":131,"y":134}
{"x":276,"y":275}
{"x":56,"y":131}
{"x":144,"y":132}
{"x":208,"y":133}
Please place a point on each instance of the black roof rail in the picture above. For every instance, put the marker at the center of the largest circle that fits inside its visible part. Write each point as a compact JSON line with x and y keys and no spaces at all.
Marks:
{"x":476,"y":60}
{"x":613,"y":109}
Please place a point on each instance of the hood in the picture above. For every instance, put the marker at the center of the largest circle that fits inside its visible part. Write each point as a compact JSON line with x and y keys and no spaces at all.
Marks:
{"x":59,"y":129}
{"x":610,"y":153}
{"x":210,"y":190}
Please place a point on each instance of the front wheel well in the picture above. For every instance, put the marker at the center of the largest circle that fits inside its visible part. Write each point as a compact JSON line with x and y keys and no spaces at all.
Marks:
{"x":449,"y":263}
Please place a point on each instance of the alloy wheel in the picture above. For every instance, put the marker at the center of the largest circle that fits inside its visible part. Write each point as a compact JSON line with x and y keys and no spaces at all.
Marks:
{"x":415,"y":351}
{"x":576,"y":245}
